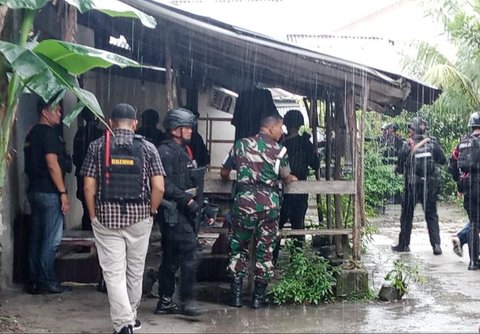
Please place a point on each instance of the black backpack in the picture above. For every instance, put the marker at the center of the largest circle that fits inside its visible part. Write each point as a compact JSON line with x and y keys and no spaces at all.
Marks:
{"x":422,"y":160}
{"x":469,"y":154}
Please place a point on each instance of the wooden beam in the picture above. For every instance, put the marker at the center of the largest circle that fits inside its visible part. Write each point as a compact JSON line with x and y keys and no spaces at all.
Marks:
{"x":342,"y":231}
{"x":297,"y":187}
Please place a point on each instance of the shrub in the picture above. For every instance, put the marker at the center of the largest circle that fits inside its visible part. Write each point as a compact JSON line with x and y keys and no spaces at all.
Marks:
{"x":402,"y":275}
{"x":380,"y":179}
{"x":307,"y":279}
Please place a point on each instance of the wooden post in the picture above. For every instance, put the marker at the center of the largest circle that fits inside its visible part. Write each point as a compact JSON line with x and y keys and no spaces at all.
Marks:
{"x":313,"y":121}
{"x":176,"y":89}
{"x":339,"y":144}
{"x":352,"y":128}
{"x":168,"y":71}
{"x":361,"y":157}
{"x":328,"y":158}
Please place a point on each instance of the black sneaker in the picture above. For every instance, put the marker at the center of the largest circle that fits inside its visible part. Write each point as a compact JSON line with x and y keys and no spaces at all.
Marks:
{"x":128,"y":329}
{"x":437,"y":250}
{"x":473,"y":266}
{"x":166,"y":306}
{"x":33,"y":289}
{"x":457,"y":246}
{"x":137,"y":325}
{"x":57,"y":288}
{"x":401,"y":249}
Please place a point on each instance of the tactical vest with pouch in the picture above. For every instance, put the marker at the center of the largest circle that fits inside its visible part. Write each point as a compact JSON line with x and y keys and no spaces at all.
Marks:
{"x":469,"y":154}
{"x":122,"y":176}
{"x":422,"y":160}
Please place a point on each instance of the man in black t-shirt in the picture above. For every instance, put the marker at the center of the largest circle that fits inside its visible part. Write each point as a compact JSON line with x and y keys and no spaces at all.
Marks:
{"x":46,"y":163}
{"x":148,"y":127}
{"x":83,"y":137}
{"x":301,"y":156}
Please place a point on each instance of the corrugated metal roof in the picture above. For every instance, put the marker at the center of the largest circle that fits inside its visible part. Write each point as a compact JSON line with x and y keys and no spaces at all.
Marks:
{"x":237,"y":58}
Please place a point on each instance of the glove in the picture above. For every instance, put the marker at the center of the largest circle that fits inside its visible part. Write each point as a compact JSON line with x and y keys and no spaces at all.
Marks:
{"x":193,"y":207}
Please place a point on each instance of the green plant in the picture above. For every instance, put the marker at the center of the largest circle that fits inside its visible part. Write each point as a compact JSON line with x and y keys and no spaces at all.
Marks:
{"x":380,"y":179}
{"x":307,"y":279}
{"x":356,"y":296}
{"x":402,"y":275}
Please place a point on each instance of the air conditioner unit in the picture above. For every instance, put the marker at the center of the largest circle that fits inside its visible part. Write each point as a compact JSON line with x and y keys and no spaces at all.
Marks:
{"x":222,"y":99}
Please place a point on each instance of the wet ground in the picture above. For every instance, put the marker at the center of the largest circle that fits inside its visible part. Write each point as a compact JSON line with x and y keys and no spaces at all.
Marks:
{"x":448,"y":301}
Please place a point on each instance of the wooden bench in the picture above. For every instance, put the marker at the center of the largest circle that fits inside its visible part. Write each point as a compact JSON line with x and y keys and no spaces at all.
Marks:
{"x":79,"y":238}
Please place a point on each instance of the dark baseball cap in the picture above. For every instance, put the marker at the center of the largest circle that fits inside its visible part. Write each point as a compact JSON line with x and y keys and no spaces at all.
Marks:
{"x":123,"y":110}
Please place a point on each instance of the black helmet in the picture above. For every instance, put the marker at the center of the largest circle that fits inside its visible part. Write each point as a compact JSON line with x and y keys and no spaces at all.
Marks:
{"x":474,"y":120}
{"x":177,"y":117}
{"x":394,"y":126}
{"x":293,"y":119}
{"x":150,"y":116}
{"x":419,"y":125}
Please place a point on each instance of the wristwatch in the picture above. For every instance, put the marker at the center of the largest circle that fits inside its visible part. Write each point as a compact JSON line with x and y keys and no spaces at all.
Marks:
{"x":153,"y":213}
{"x":64,"y":192}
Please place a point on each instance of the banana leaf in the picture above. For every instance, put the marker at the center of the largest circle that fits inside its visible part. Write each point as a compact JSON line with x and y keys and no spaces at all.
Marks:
{"x":78,"y":59}
{"x":47,"y":78}
{"x":24,"y":4}
{"x":112,"y":8}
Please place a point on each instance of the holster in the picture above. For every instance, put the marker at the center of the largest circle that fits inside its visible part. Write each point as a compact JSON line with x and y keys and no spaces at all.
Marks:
{"x":170,"y":212}
{"x":197,"y":177}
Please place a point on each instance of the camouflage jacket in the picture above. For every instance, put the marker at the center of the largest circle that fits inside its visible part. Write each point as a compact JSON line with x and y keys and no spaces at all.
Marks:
{"x":257,"y":178}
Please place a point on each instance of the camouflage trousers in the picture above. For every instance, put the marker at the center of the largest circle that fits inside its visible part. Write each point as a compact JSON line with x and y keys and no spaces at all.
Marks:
{"x":263,"y":226}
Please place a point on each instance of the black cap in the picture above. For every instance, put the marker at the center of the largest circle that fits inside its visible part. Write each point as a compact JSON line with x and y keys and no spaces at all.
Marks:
{"x":123,"y":110}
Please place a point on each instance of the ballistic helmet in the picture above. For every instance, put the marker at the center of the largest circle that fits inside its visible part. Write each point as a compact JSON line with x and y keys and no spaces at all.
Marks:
{"x":418,"y":125}
{"x":474,"y":120}
{"x":293,"y":119}
{"x":177,"y":117}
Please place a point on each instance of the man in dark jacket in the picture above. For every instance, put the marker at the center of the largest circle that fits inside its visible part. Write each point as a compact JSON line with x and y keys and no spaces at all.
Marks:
{"x":391,"y":143}
{"x":148,"y":127}
{"x":463,"y":167}
{"x":301,"y":155}
{"x":177,"y":216}
{"x":419,"y":160}
{"x":85,"y":134}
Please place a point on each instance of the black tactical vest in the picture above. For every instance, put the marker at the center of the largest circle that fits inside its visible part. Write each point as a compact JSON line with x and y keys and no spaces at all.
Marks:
{"x":122,"y":180}
{"x":423,"y":160}
{"x":469,"y":154}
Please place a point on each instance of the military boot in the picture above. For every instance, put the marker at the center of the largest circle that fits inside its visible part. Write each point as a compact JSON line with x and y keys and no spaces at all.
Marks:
{"x":191,"y":308}
{"x":236,"y":284}
{"x":259,"y":295}
{"x":473,"y":248}
{"x":166,"y":306}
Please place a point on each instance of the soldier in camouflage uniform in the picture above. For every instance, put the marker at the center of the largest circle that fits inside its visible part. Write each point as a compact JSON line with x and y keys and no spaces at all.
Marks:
{"x":261,"y":165}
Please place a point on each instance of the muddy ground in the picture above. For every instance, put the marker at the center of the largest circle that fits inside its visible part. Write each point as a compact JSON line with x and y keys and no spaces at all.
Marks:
{"x":448,"y":301}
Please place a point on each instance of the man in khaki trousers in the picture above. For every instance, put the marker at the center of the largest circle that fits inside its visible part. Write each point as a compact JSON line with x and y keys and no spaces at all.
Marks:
{"x":123,"y":187}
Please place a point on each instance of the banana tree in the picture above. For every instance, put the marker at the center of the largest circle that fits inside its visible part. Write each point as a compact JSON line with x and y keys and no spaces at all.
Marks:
{"x":50,"y":68}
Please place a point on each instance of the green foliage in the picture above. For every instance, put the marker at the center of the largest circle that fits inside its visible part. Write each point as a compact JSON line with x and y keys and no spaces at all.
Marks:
{"x":380,"y":179}
{"x":402,"y":275}
{"x":361,"y":296}
{"x":456,"y":73}
{"x":307,"y":279}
